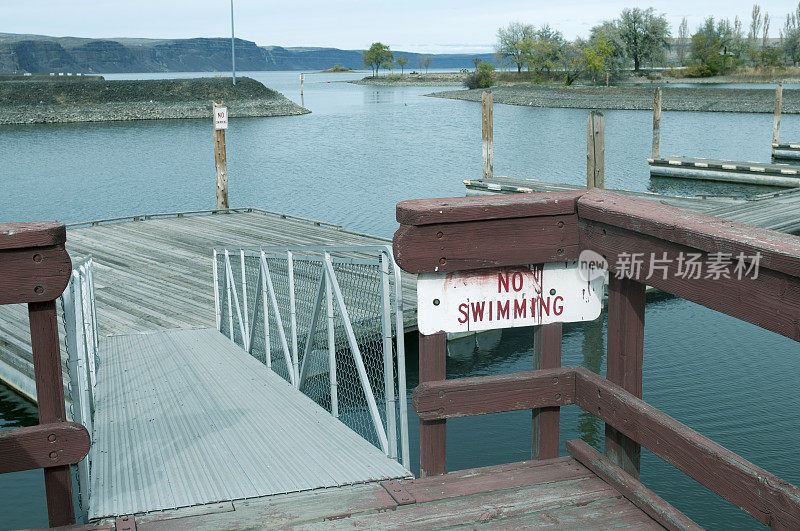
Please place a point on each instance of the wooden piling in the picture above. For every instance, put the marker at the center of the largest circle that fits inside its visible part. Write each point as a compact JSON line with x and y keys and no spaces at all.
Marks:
{"x":488,"y":135}
{"x":657,"y":123}
{"x":595,"y":150}
{"x":302,"y":81}
{"x":776,"y":124}
{"x":221,"y":162}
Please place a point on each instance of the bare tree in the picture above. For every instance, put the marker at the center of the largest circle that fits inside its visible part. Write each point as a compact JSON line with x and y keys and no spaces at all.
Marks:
{"x":683,"y":38}
{"x":756,"y":21}
{"x":427,"y":61}
{"x":766,"y":31}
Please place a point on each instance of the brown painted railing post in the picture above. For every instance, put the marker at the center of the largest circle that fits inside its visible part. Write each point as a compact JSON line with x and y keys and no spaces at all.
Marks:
{"x":546,"y":355}
{"x":625,"y":355}
{"x":50,"y":398}
{"x":432,"y":434}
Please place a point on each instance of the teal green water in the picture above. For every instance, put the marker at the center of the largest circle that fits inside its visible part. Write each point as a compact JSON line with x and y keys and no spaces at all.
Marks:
{"x":365,"y":148}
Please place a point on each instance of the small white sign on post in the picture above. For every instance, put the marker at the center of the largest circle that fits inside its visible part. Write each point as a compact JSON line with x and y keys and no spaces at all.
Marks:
{"x":507,"y":297}
{"x":220,"y":118}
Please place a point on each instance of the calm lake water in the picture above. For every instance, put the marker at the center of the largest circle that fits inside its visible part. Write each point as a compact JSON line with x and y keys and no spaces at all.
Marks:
{"x":363,"y":149}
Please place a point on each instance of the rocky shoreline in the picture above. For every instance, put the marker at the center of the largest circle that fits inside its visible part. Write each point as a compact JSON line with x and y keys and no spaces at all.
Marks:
{"x":698,"y":99}
{"x":52,"y":102}
{"x":108,"y":112}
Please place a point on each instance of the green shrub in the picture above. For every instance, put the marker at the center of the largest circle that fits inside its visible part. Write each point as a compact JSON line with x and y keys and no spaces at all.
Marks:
{"x":483,"y":77}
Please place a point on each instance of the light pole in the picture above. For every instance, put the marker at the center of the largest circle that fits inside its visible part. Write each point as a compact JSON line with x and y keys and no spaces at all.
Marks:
{"x":233,"y":48}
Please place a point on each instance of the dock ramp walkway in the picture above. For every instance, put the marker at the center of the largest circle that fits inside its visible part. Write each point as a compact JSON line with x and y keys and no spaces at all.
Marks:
{"x":187,"y":417}
{"x":301,"y":386}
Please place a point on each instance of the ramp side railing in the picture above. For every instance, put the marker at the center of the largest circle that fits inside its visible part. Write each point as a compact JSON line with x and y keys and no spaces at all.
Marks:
{"x":328,"y":320}
{"x":80,"y":334}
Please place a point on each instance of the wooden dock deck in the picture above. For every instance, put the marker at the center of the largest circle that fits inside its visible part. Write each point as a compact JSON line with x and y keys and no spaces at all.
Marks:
{"x":554,"y":493}
{"x":775,"y":211}
{"x":154,"y":272}
{"x":167,"y":435}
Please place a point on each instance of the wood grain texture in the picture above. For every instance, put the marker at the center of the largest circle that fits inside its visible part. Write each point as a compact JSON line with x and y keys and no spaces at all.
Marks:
{"x":624,"y":360}
{"x":432,"y":433}
{"x":494,"y":394}
{"x":492,"y":478}
{"x":545,"y":425}
{"x":42,"y":446}
{"x":651,"y":503}
{"x":769,"y":499}
{"x":480,"y":208}
{"x":487,"y":133}
{"x":776,"y":122}
{"x":772,"y":301}
{"x":657,"y":123}
{"x":32,"y":234}
{"x":481,"y":244}
{"x":33,"y":274}
{"x":779,"y":251}
{"x":50,"y":395}
{"x":595,"y":150}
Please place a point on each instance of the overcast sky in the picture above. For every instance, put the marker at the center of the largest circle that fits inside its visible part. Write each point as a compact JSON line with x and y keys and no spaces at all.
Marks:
{"x":411,"y":25}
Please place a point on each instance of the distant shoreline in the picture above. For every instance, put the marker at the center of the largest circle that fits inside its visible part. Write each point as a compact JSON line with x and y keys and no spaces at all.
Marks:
{"x":439,"y":79}
{"x":36,"y":102}
{"x":632,"y":97}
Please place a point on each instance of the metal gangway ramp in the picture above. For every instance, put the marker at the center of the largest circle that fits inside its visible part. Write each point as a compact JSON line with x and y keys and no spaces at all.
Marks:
{"x":301,"y":387}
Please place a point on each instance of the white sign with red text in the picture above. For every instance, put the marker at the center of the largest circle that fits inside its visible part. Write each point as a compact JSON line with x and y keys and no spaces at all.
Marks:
{"x":220,"y":118}
{"x":507,"y":297}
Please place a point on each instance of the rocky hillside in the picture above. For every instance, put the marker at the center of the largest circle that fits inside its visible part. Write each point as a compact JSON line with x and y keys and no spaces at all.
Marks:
{"x":37,"y":53}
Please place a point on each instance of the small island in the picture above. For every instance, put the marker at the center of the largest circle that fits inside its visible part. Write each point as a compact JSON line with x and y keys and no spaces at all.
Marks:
{"x":335,"y":69}
{"x":61,"y":100}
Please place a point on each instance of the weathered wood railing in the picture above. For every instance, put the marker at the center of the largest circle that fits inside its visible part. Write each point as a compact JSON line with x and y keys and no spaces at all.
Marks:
{"x":34,"y":269}
{"x":442,"y":235}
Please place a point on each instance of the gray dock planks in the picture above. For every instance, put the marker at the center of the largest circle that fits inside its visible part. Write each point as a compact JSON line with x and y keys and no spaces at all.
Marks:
{"x":156,"y":274}
{"x":168,"y":435}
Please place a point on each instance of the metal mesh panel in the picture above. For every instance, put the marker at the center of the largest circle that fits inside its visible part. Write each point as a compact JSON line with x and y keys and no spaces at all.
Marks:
{"x":358,"y":379}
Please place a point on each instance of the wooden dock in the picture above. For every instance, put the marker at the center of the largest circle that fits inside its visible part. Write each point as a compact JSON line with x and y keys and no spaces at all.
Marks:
{"x":154,"y":272}
{"x":559,"y":493}
{"x":776,"y":211}
{"x":781,"y":175}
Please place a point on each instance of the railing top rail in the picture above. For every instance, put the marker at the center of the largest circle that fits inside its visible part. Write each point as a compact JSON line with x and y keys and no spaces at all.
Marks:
{"x":241,"y":210}
{"x":779,"y":251}
{"x":360,"y":254}
{"x":461,"y":234}
{"x":309,"y":249}
{"x":35,"y":234}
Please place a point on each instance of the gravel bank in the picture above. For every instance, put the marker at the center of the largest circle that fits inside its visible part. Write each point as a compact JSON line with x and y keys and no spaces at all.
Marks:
{"x":413,"y":80}
{"x":636,"y":98}
{"x":31,"y":102}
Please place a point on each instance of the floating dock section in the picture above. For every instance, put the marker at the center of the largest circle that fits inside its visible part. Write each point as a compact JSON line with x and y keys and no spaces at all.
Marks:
{"x":787,"y":152}
{"x":783,"y":175}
